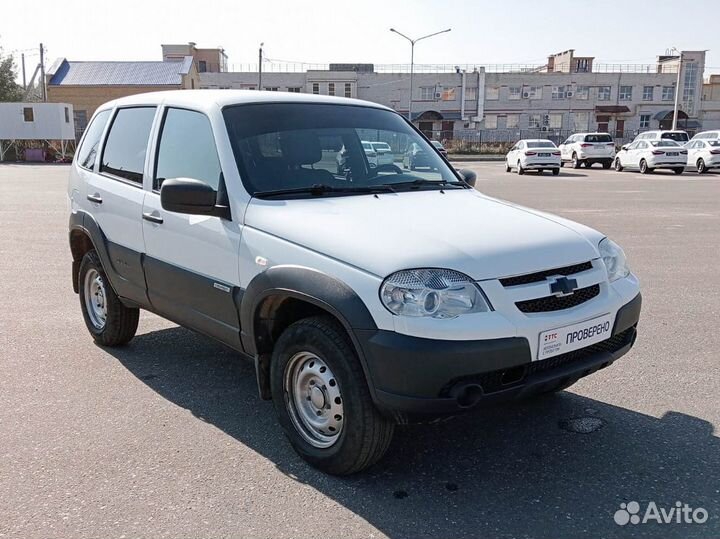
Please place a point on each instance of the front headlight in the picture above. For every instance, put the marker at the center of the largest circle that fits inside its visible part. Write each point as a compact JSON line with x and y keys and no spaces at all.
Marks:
{"x":614,"y":258}
{"x":438,"y":293}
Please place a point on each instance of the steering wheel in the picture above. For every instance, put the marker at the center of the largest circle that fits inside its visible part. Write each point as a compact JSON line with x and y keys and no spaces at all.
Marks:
{"x":388,"y":168}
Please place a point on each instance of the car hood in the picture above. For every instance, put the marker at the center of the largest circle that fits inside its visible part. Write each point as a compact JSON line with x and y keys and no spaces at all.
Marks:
{"x":466,"y":231}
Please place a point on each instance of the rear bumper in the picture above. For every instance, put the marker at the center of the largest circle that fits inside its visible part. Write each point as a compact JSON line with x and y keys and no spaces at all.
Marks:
{"x":549,"y":164}
{"x":416,"y":378}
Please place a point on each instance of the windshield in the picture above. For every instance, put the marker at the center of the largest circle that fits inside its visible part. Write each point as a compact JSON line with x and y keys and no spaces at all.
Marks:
{"x":540,"y":144}
{"x":598,"y":138}
{"x":664,"y":143}
{"x":320,"y":148}
{"x":678,"y":136}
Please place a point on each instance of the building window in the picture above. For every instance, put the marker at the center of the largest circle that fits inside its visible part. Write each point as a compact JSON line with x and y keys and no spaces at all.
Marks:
{"x":581,"y":120}
{"x":331,"y":88}
{"x":644,"y":121}
{"x":582,"y":92}
{"x":558,"y":92}
{"x":491,"y":121}
{"x":534,"y":92}
{"x":512,"y":121}
{"x":67,"y":115}
{"x":582,"y":65}
{"x":603,"y":93}
{"x":668,"y":93}
{"x":492,"y":93}
{"x":515,"y":92}
{"x":427,"y":93}
{"x":689,"y":87}
{"x":555,"y":121}
{"x":28,"y":114}
{"x":316,"y":87}
{"x":272,"y":88}
{"x":625,"y":93}
{"x":80,"y":119}
{"x":293,"y":89}
{"x":202,"y":66}
{"x":535,"y":121}
{"x":348,"y":89}
{"x":648,"y":92}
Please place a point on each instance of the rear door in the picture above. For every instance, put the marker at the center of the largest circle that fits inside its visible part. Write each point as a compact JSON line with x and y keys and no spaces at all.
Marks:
{"x":115,"y":193}
{"x":191,"y":264}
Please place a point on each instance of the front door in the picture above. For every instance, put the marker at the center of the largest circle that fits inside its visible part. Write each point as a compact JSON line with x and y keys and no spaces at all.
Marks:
{"x":603,"y":123}
{"x":191,"y":265}
{"x":619,"y":128}
{"x":426,"y":128}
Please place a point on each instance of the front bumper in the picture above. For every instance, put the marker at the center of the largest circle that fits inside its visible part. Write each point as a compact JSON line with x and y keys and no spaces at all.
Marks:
{"x":416,"y":377}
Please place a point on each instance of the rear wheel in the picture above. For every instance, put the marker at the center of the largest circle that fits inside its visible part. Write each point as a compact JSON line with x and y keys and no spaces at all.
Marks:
{"x":109,"y":321}
{"x":678,"y":170}
{"x":701,"y":168}
{"x":644,"y":167}
{"x":322,"y":400}
{"x":606,"y":165}
{"x":574,"y":161}
{"x":520,"y":170}
{"x":618,"y":165}
{"x":556,"y":171}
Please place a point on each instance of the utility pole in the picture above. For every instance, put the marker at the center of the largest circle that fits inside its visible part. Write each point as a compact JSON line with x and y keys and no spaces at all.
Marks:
{"x":677,"y":91}
{"x":22,"y":62}
{"x":42,"y":72}
{"x":412,"y":61}
{"x":260,"y":66}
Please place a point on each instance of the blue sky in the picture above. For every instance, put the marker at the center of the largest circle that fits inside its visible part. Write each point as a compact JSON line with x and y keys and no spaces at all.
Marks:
{"x":323,"y":31}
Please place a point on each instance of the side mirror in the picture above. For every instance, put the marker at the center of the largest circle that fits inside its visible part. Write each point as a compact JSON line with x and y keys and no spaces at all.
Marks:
{"x":624,"y":147}
{"x":468,"y":175}
{"x":186,"y":195}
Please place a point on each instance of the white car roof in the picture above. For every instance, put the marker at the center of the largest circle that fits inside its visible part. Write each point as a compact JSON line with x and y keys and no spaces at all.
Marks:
{"x":584,"y":134}
{"x":535,"y":140}
{"x":209,"y":99}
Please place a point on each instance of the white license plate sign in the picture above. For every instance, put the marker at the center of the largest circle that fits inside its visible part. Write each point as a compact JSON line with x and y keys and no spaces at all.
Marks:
{"x":543,"y":155}
{"x":673,"y":154}
{"x":569,"y":338}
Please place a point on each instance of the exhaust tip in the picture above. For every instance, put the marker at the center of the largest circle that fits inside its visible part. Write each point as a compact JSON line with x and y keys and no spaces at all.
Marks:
{"x":468,"y":395}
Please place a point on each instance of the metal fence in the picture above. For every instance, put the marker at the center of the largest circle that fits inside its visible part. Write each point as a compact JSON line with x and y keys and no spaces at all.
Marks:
{"x":499,"y":141}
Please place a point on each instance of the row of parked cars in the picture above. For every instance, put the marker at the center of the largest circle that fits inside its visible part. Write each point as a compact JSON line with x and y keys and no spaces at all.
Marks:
{"x":649,"y":151}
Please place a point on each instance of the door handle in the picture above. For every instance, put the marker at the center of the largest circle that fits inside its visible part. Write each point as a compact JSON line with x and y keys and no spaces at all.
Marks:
{"x":97,"y":199}
{"x":153,"y":218}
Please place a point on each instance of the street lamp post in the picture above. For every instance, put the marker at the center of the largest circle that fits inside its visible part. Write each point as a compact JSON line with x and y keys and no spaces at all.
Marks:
{"x":260,"y":60}
{"x":677,"y":89}
{"x":412,"y":61}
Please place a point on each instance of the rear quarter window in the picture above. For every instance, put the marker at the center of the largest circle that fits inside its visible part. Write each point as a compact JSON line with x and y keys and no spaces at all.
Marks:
{"x":87,"y":153}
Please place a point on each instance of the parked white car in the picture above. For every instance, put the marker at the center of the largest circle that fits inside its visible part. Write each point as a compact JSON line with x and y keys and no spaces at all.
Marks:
{"x":360,"y":304}
{"x":647,"y":155}
{"x":383,"y":153}
{"x":533,"y":154}
{"x":678,"y":136}
{"x":343,"y":156}
{"x":703,"y":154}
{"x":588,"y":149}
{"x":707,"y":135}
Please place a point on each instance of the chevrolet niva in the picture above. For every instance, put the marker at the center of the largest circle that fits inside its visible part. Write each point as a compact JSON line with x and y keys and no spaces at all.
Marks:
{"x":366,"y":296}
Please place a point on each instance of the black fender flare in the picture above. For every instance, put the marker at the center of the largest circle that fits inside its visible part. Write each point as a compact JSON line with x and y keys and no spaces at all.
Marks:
{"x":311,"y":286}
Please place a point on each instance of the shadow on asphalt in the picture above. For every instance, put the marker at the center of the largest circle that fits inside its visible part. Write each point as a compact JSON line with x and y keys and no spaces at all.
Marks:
{"x":516,"y":471}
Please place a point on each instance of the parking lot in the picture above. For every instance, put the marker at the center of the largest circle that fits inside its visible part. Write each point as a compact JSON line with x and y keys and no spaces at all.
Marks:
{"x":167,"y":437}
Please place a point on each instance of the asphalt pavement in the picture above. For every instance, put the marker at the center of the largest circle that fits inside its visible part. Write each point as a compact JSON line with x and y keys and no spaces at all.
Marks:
{"x":167,"y":437}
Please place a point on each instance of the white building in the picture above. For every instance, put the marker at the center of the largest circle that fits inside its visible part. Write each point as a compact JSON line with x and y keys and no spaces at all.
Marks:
{"x":47,"y":122}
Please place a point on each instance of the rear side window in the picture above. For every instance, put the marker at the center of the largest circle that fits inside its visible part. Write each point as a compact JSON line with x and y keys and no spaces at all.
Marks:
{"x":598,"y":138}
{"x":86,"y":155}
{"x":679,"y":137}
{"x":187,"y":149}
{"x":126,"y":146}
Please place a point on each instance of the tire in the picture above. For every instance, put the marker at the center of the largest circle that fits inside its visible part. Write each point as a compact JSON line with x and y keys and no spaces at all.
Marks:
{"x":606,"y":165}
{"x":109,"y":321}
{"x":562,"y":164}
{"x":507,"y":167}
{"x":316,"y":354}
{"x":520,"y":170}
{"x":556,"y":171}
{"x":618,"y":165}
{"x":588,"y":164}
{"x":678,"y":170}
{"x":701,"y":168}
{"x":574,"y":161}
{"x":643,"y":167}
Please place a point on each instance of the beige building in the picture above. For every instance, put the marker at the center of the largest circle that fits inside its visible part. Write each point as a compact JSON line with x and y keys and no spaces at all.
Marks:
{"x":87,"y":85}
{"x":206,"y":60}
{"x":711,"y":103}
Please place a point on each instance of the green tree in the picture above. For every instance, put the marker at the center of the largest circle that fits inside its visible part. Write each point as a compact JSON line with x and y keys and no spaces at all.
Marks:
{"x":9,"y":89}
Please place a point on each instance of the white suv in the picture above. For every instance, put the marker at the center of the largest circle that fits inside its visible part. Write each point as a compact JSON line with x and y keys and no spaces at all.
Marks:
{"x":364,"y":299}
{"x":588,"y":149}
{"x":680,"y":137}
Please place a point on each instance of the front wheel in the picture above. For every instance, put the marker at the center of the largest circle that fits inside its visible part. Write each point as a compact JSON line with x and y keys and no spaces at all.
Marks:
{"x":507,"y":167}
{"x":618,"y":165}
{"x":520,"y":170}
{"x":109,"y":321}
{"x":678,"y":170}
{"x":701,"y":168}
{"x":574,"y":161}
{"x":644,"y":167}
{"x":322,"y":399}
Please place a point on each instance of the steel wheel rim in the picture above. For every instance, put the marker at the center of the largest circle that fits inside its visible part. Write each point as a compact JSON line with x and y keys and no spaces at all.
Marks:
{"x":701,"y":166}
{"x":617,"y":164}
{"x":313,"y":400}
{"x":95,"y":298}
{"x":643,"y":166}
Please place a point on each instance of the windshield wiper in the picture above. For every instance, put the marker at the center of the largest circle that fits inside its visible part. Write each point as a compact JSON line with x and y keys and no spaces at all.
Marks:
{"x":443,"y":183}
{"x":322,"y":188}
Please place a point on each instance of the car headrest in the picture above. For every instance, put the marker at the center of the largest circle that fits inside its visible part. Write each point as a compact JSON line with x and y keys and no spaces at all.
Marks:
{"x":300,"y":148}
